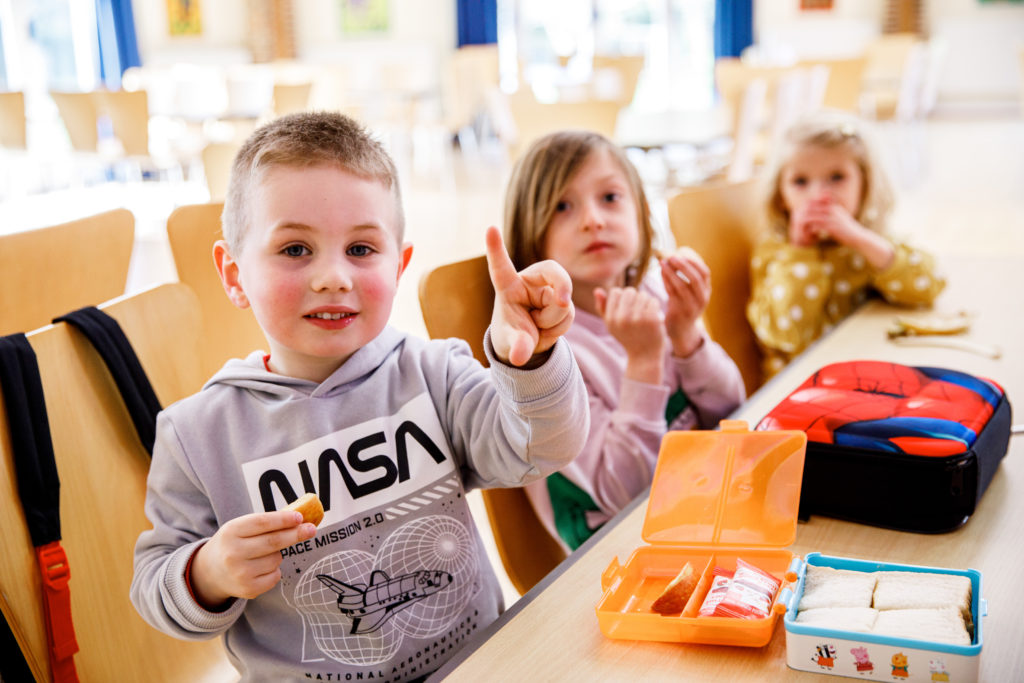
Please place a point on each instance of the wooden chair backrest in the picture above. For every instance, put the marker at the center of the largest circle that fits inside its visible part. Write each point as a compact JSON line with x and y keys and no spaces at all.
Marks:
{"x":732,"y":77}
{"x":78,"y":112}
{"x":469,"y":74}
{"x":535,"y":119}
{"x":456,"y":300}
{"x":103,"y":467}
{"x":721,"y":222}
{"x":845,"y":82}
{"x":228,"y":332}
{"x":291,"y":97}
{"x":49,"y":271}
{"x":128,"y":111}
{"x":628,"y":68}
{"x":217,"y":159}
{"x":13,"y":128}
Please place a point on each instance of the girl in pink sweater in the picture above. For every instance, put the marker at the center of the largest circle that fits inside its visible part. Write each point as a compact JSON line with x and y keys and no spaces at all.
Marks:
{"x":647,"y":362}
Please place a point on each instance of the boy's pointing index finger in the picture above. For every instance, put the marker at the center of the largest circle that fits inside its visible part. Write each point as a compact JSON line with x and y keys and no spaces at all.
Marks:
{"x":499,"y":264}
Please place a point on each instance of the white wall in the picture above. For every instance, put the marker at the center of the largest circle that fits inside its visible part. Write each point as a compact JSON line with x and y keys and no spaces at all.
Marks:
{"x":983,"y":43}
{"x":427,"y":26}
{"x":225,"y":26}
{"x":982,"y":40}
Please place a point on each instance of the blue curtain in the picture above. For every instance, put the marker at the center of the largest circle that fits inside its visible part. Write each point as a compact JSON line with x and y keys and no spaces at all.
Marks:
{"x":115,"y":26}
{"x":478,"y":22}
{"x":734,"y":27}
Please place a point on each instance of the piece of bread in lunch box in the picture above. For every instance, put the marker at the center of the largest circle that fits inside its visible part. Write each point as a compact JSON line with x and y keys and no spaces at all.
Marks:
{"x":311,"y":508}
{"x":943,"y":625}
{"x":919,"y":590}
{"x":676,"y":593}
{"x":860,"y":619}
{"x":828,"y":587}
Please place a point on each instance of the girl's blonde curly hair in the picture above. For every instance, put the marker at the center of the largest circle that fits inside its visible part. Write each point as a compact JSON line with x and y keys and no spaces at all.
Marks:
{"x":831,"y":129}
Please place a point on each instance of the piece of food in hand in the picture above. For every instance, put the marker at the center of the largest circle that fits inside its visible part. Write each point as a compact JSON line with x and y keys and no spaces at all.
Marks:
{"x":311,"y":508}
{"x":678,"y":591}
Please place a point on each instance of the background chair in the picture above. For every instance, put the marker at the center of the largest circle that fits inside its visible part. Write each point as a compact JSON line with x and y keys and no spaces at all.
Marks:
{"x":49,"y":271}
{"x":81,"y":120}
{"x":103,"y":467}
{"x":228,"y":332}
{"x":13,"y":128}
{"x":217,"y":158}
{"x":289,"y":98}
{"x":721,"y":222}
{"x":533,"y":119}
{"x":456,"y":300}
{"x":845,"y":82}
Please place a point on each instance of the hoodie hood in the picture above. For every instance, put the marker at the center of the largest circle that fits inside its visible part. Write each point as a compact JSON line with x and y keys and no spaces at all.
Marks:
{"x":251,"y":373}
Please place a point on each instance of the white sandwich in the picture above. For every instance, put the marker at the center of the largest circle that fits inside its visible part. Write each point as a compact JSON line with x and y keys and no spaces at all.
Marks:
{"x":861,"y":619}
{"x":828,"y":587}
{"x":943,"y":625}
{"x":919,"y":590}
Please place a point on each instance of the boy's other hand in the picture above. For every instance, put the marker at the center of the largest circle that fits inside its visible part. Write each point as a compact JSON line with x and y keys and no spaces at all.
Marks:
{"x":243,"y":559}
{"x":532,"y":308}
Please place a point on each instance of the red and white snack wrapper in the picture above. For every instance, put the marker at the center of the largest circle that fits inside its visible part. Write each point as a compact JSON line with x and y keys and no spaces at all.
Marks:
{"x":750,"y":593}
{"x":719,"y":586}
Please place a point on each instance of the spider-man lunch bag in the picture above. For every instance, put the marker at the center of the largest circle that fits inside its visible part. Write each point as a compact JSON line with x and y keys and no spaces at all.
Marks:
{"x":908,"y":448}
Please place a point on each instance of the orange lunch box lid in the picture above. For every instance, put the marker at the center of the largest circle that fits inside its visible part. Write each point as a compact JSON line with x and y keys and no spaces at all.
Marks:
{"x":726,"y":488}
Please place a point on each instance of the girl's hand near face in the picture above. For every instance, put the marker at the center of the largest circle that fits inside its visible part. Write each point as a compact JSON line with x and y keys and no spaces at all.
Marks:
{"x":823,"y":219}
{"x":688,"y":284}
{"x":635,"y":319}
{"x":532,"y":308}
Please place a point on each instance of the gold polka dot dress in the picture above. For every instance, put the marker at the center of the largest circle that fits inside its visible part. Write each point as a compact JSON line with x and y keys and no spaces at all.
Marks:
{"x":799,"y":293}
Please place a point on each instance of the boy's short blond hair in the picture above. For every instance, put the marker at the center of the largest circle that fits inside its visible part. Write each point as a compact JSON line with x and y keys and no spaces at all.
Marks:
{"x":832,"y":129}
{"x":304,"y":140}
{"x":538,"y":181}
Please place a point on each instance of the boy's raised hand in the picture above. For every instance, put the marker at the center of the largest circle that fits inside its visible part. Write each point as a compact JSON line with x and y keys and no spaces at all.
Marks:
{"x":243,"y":559}
{"x":532,"y":308}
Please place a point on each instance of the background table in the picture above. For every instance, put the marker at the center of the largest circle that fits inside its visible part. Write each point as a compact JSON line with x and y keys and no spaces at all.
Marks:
{"x":552,"y":632}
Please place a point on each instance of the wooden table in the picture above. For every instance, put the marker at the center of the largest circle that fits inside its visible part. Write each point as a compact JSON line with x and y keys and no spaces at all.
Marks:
{"x":552,"y":632}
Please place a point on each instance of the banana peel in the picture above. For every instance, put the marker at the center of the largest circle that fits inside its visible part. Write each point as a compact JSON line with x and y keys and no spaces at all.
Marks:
{"x":930,"y":324}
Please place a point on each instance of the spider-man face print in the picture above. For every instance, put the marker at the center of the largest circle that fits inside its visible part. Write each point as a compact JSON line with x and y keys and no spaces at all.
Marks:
{"x":889,"y":407}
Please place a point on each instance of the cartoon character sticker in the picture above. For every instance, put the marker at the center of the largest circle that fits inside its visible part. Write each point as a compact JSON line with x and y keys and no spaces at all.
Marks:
{"x":899,"y":666}
{"x":825,"y":656}
{"x":861,"y":660}
{"x":938,"y":670}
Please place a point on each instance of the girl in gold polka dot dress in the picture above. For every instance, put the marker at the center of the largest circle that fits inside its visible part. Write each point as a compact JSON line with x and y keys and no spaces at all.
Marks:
{"x":827,"y":245}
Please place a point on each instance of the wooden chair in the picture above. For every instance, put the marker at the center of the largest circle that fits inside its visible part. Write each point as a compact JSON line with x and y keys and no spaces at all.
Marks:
{"x":628,"y":68}
{"x":49,"y":271}
{"x":456,"y":300}
{"x":845,"y":81}
{"x":228,"y":332}
{"x":217,"y":158}
{"x":128,"y":111}
{"x":721,"y":223}
{"x":13,"y":128}
{"x":81,"y":120}
{"x":103,"y":467}
{"x":291,"y":97}
{"x":535,"y":119}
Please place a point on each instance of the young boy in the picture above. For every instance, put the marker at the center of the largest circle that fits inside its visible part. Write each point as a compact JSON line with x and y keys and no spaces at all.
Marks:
{"x":387,"y":429}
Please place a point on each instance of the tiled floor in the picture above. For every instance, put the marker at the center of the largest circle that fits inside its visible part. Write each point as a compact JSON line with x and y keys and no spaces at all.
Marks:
{"x":959,"y":182}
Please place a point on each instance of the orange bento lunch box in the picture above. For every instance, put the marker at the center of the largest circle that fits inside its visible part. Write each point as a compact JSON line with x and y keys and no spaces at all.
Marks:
{"x":718,"y":499}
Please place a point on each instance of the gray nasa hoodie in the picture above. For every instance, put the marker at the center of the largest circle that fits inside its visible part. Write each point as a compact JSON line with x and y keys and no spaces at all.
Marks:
{"x":396,"y":578}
